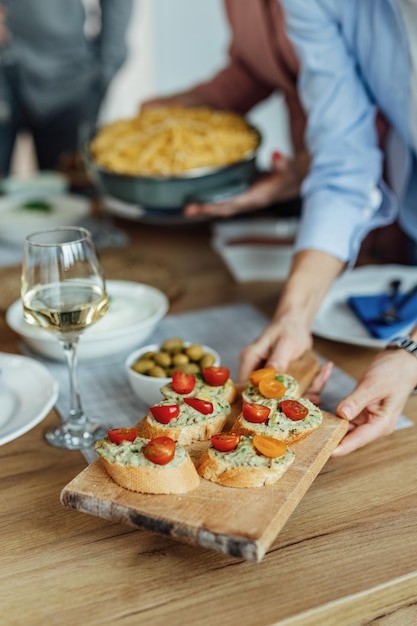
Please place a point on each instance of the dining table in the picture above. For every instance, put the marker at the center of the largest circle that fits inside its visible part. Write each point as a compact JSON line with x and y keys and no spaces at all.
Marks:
{"x":347,"y":554}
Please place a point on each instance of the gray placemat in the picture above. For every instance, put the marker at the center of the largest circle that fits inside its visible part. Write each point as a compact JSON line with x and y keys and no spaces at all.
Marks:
{"x":105,"y":390}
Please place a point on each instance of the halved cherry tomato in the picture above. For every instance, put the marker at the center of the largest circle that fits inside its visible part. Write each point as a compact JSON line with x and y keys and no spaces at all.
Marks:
{"x":225,"y":442}
{"x":183,"y":382}
{"x":164,"y":413}
{"x":160,"y":450}
{"x":257,"y":375}
{"x":118,"y":435}
{"x":255,"y":413}
{"x":268,"y":446}
{"x":271,"y":388}
{"x":294,"y":410}
{"x":202,"y":406}
{"x":216,"y":376}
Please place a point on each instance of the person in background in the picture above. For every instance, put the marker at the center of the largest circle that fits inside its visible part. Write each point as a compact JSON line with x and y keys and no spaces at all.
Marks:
{"x":53,"y":76}
{"x":356,"y":57}
{"x":261,"y":61}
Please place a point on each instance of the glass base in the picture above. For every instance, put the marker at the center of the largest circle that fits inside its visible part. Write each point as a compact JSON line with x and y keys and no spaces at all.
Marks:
{"x":71,"y":438}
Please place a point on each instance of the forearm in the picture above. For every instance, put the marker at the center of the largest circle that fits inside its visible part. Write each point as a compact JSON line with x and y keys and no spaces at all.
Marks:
{"x":311,"y":276}
{"x":234,"y":89}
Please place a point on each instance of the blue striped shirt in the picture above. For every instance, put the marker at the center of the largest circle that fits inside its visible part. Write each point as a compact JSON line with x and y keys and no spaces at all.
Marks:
{"x":354,"y":60}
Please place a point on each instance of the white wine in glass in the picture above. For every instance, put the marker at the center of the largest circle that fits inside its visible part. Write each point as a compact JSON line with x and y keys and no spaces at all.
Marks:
{"x":63,"y":291}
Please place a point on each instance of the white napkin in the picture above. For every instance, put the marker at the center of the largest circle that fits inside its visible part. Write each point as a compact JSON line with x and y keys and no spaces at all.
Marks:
{"x":256,"y":261}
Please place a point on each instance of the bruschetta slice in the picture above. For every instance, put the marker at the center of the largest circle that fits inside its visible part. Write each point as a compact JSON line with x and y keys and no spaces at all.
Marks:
{"x":290,"y":420}
{"x":243,"y":461}
{"x":148,"y":466}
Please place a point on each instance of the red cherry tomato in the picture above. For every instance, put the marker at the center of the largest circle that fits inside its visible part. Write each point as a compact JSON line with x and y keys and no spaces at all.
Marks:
{"x":118,"y":435}
{"x":225,"y":442}
{"x":182,"y":382}
{"x":255,"y":413}
{"x":160,"y":450}
{"x":202,"y":406}
{"x":294,"y":410}
{"x":216,"y":376}
{"x":165,"y":413}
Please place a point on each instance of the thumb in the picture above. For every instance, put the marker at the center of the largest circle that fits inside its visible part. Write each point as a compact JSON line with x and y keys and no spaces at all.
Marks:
{"x":351,"y":406}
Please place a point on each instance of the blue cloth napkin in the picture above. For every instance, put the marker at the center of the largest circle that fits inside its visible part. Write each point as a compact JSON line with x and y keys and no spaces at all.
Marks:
{"x":369,"y":308}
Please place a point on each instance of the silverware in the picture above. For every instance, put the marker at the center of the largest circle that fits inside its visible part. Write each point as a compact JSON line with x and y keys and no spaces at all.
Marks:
{"x":392,"y":314}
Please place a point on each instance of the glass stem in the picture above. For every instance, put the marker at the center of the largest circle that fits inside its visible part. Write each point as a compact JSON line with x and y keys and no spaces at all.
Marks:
{"x":76,"y":414}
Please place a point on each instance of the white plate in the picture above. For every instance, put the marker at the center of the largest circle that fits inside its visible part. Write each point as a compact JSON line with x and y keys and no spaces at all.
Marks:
{"x":27,"y":394}
{"x":16,"y":222}
{"x":336,"y":320}
{"x":134,"y":311}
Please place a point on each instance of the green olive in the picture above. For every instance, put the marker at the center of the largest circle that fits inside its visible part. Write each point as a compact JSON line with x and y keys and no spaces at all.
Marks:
{"x":180,"y":359}
{"x":207,"y":361}
{"x":173,"y":346}
{"x":174,"y":355}
{"x":191,"y":368}
{"x":195,"y":352}
{"x":143,"y":365}
{"x":163,"y":359}
{"x":181,"y":367}
{"x":148,"y":355}
{"x":158,"y":372}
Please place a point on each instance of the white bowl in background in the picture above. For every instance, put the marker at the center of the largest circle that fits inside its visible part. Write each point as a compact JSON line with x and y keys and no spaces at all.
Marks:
{"x":148,"y":388}
{"x":135,"y":310}
{"x":44,"y":182}
{"x":16,"y":221}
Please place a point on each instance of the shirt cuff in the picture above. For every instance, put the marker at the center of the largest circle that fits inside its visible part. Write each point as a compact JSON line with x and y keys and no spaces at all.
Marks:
{"x":338,"y":228}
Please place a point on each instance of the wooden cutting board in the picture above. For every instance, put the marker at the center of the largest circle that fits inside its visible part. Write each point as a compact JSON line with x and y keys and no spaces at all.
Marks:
{"x":239,"y":522}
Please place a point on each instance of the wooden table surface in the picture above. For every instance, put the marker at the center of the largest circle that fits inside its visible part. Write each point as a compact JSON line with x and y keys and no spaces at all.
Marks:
{"x":347,"y":555}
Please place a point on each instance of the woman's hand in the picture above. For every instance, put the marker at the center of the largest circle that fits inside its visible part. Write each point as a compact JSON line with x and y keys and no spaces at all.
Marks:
{"x":281,"y":183}
{"x":289,"y":334}
{"x":283,"y":341}
{"x":375,"y":405}
{"x":319,"y":383}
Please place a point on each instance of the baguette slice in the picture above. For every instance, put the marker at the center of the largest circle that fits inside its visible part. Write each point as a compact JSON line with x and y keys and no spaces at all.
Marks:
{"x":244,"y":467}
{"x":251,"y":392}
{"x":226,"y":392}
{"x":128,"y":467}
{"x":190,"y":425}
{"x":281,"y":427}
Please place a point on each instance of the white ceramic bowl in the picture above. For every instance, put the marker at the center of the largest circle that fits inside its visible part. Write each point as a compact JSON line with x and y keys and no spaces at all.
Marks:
{"x":43,"y":182}
{"x":135,"y":310}
{"x":148,"y":388}
{"x":16,"y":221}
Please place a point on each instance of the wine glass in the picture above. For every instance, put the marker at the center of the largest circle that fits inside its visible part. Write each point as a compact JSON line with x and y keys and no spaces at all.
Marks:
{"x":63,"y":291}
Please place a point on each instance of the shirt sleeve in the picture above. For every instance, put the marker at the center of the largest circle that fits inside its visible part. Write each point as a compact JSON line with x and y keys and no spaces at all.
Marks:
{"x":341,"y":194}
{"x":112,"y":43}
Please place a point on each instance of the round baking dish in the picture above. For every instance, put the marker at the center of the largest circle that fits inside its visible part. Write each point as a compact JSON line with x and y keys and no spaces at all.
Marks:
{"x":170,"y":193}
